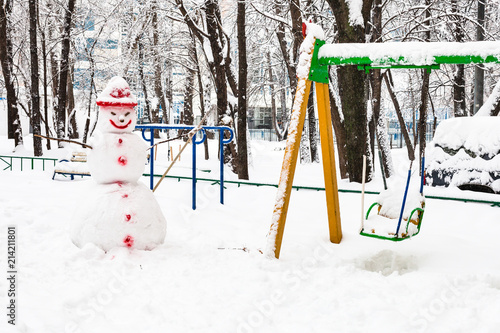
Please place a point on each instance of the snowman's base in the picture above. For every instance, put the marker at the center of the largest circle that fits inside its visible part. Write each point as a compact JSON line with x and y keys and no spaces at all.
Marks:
{"x":119,"y":215}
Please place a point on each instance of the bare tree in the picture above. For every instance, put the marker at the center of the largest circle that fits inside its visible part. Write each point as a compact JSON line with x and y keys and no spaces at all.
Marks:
{"x":35,"y":90}
{"x":459,"y":106}
{"x":402,"y":125}
{"x":242,"y":93}
{"x":376,"y":88}
{"x":353,"y":88}
{"x":63,"y":71}
{"x":7,"y":62}
{"x":158,"y":88}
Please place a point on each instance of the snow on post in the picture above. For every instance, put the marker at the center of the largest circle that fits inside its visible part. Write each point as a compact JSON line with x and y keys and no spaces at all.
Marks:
{"x":273,"y":244}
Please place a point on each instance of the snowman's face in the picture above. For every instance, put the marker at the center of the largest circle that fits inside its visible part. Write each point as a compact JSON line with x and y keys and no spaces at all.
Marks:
{"x":117,"y":119}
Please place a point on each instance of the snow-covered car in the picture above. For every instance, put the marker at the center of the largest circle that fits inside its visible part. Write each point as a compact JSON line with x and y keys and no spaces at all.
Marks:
{"x":465,"y":153}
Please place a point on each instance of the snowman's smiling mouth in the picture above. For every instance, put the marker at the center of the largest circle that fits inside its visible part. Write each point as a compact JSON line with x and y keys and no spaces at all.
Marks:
{"x":118,"y":126}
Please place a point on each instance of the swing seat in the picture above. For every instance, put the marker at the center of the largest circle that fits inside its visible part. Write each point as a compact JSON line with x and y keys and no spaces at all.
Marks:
{"x":384,"y":226}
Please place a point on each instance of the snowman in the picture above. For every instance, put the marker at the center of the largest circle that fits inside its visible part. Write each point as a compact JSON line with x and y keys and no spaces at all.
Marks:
{"x":117,"y":210}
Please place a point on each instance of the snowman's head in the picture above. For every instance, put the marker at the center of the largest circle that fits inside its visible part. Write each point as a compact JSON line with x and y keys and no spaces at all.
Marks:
{"x":116,"y":112}
{"x":115,"y":119}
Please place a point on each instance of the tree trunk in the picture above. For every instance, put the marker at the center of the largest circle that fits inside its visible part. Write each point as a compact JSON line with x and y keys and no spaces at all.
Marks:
{"x":7,"y":62}
{"x":35,"y":89}
{"x":399,"y":114}
{"x":169,"y":97}
{"x":274,"y":111}
{"x":158,"y":89}
{"x":63,"y":72}
{"x":338,"y":127}
{"x":459,"y":107}
{"x":434,"y":123}
{"x":424,"y":97}
{"x":283,"y":42}
{"x":187,"y":114}
{"x":376,"y":85}
{"x":313,"y":137}
{"x":73,"y":132}
{"x":142,"y":78}
{"x":353,"y":97}
{"x":242,"y":94}
{"x":219,"y":73}
{"x":372,"y":128}
{"x":284,"y":112}
{"x":479,"y":68}
{"x":496,"y":110}
{"x":422,"y":122}
{"x":296,"y":16}
{"x":352,"y":90}
{"x":45,"y":92}
{"x":86,"y":131}
{"x":54,"y":80}
{"x":379,"y":121}
{"x":201,"y":90}
{"x":304,"y":149}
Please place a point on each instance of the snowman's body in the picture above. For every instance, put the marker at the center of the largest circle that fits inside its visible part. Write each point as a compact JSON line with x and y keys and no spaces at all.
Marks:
{"x":117,"y":157}
{"x":123,"y":212}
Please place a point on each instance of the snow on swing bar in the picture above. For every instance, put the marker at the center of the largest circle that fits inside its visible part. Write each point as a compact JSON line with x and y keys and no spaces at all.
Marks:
{"x":401,"y":54}
{"x":409,"y":53}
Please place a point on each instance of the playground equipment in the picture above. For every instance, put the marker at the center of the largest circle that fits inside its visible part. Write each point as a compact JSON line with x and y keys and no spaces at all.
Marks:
{"x":195,"y":142}
{"x":314,"y":60}
{"x":382,"y":225}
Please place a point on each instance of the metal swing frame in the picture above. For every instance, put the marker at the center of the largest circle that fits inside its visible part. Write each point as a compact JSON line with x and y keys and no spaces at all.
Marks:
{"x":322,"y":56}
{"x":418,"y":210}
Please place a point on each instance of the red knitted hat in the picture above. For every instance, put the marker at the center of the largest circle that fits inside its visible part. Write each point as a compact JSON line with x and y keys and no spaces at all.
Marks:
{"x":116,"y":93}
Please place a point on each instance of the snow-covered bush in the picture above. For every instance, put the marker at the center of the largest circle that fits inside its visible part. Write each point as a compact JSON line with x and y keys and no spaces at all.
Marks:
{"x":465,"y":154}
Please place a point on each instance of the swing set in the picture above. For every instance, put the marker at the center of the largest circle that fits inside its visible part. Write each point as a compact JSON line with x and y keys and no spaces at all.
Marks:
{"x":315,"y":57}
{"x":386,"y":230}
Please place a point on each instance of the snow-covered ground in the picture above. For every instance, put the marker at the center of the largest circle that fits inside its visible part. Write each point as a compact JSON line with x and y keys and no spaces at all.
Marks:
{"x":446,"y":279}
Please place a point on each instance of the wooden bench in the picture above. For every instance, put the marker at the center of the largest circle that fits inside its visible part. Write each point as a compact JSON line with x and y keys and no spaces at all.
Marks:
{"x":76,"y":166}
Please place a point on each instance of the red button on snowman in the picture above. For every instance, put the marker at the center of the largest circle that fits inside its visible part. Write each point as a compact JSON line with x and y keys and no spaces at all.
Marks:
{"x":118,"y":211}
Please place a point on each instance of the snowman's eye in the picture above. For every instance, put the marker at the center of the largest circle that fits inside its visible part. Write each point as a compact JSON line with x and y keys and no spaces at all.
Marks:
{"x":127,"y":114}
{"x":114,"y":114}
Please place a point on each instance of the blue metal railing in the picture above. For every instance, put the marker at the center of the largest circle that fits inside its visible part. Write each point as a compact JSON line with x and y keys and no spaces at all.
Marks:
{"x":222,"y":142}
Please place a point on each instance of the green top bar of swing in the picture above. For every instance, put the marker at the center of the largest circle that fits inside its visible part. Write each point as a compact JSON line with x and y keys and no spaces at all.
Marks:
{"x":398,"y":55}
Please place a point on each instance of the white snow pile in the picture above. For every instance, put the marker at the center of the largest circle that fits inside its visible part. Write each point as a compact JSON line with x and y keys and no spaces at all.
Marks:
{"x":466,"y":151}
{"x":416,"y":53}
{"x":355,"y":15}
{"x":445,"y":280}
{"x":490,"y":104}
{"x":390,"y":201}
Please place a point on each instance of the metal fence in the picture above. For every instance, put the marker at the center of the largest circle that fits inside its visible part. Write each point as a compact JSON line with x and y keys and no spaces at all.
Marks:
{"x":23,"y":163}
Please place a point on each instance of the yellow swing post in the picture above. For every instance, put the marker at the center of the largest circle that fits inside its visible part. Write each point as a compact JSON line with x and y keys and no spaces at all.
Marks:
{"x":328,"y":153}
{"x":275,"y":235}
{"x":288,"y":169}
